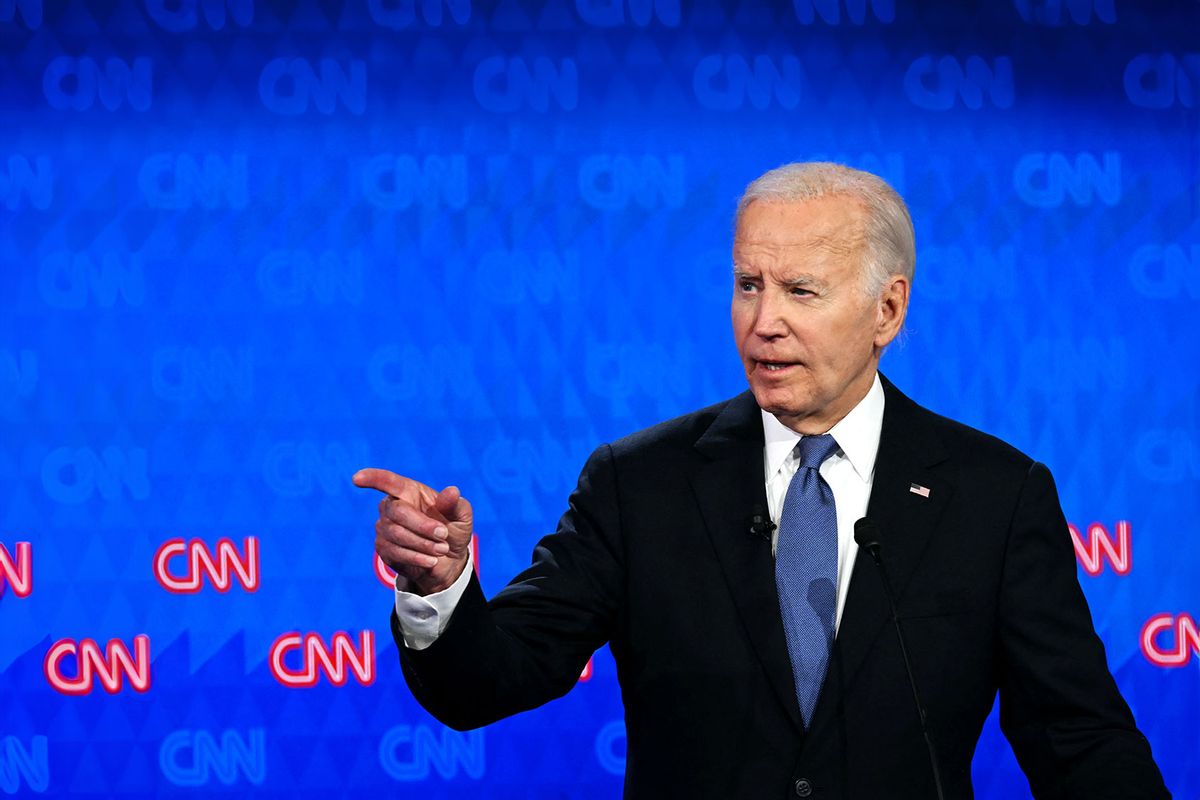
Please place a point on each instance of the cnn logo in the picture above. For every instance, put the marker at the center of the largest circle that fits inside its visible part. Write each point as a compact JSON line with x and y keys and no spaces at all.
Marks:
{"x":199,"y":562}
{"x":113,"y":667}
{"x":17,"y":571}
{"x":1097,"y":546}
{"x":1170,"y":640}
{"x":338,"y":660}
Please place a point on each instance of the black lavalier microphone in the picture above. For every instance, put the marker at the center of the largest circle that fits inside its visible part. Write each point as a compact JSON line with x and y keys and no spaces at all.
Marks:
{"x":760,"y":524}
{"x":866,"y":534}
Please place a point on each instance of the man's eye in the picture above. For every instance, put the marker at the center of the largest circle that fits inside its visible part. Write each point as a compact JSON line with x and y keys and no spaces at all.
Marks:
{"x":746,"y":286}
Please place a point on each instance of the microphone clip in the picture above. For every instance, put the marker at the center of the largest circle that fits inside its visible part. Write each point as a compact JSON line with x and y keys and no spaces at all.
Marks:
{"x":761,"y":525}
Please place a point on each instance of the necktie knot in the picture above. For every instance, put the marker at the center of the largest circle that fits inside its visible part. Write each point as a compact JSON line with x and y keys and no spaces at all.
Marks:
{"x":811,"y":451}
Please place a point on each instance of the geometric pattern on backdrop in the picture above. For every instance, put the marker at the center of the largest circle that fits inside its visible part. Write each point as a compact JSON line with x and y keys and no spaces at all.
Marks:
{"x":249,"y":247}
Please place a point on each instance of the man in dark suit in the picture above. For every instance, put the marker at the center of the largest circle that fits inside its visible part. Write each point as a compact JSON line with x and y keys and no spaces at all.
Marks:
{"x":715,"y":554}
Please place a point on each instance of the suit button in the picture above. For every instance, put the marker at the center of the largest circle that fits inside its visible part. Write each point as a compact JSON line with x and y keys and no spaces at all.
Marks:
{"x":803,"y":787}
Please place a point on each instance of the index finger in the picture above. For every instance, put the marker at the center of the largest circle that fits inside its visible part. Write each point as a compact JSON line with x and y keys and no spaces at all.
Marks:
{"x":390,"y":483}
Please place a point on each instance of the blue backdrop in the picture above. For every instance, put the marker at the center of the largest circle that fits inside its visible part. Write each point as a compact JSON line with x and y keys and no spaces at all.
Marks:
{"x":248,"y":247}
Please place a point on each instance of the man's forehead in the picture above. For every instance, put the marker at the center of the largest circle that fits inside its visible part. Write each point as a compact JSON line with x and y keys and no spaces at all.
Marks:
{"x":845,"y":242}
{"x":833,"y":223}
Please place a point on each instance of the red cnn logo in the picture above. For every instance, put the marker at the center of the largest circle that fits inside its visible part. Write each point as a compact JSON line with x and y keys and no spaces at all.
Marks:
{"x":18,"y":572}
{"x":1187,"y":640}
{"x":112,"y":667}
{"x":200,"y":561}
{"x":387,"y":576}
{"x":332,"y":659}
{"x":1100,"y":547}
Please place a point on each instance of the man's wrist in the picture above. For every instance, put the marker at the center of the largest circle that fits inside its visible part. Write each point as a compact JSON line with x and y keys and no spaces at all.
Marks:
{"x":438,"y":580}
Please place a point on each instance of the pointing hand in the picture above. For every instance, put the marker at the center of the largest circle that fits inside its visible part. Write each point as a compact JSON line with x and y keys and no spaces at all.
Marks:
{"x":421,"y":534}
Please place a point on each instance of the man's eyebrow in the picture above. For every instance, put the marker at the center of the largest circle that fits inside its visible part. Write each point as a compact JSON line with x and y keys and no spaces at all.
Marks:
{"x":800,"y":281}
{"x":803,"y":280}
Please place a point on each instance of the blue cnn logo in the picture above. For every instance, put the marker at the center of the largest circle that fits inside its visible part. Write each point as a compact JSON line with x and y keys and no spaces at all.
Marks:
{"x":33,"y":182}
{"x":612,"y":183}
{"x":441,"y":374}
{"x":620,"y":371}
{"x":515,"y":465}
{"x":180,"y":16}
{"x":76,"y":280}
{"x":1062,"y":12}
{"x":516,"y":276}
{"x":952,"y":273}
{"x":1162,"y":80}
{"x":194,"y":757}
{"x":1164,"y":272}
{"x":1064,"y":365}
{"x":74,"y":84}
{"x":398,"y":14}
{"x":406,"y":753}
{"x":726,"y":82}
{"x":610,"y":13}
{"x":190,"y":374}
{"x":830,"y":11}
{"x":396,"y":182}
{"x":70,"y":475}
{"x":298,"y":468}
{"x":296,"y":277}
{"x":286,"y":85}
{"x":178,"y":182}
{"x":936,"y":84}
{"x":505,"y":85}
{"x":1046,"y":180}
{"x":30,"y":763}
{"x":1168,"y":456}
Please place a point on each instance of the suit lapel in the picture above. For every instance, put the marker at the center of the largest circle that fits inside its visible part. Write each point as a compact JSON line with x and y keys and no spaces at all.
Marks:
{"x":908,"y":449}
{"x":729,"y":487}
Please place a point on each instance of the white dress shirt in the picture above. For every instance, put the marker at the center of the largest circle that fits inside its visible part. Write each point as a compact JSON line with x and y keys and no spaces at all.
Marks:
{"x":849,"y":473}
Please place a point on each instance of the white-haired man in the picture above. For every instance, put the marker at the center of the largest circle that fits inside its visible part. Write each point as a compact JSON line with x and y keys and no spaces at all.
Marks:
{"x":756,"y":656}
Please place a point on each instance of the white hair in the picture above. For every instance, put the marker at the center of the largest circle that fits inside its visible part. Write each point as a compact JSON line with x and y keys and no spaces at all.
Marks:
{"x":890,"y":245}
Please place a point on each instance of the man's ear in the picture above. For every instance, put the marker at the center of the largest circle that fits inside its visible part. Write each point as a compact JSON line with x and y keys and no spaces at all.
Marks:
{"x":892,"y":308}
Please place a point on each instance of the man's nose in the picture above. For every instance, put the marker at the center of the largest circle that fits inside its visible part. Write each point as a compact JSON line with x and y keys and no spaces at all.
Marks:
{"x":769,"y":322}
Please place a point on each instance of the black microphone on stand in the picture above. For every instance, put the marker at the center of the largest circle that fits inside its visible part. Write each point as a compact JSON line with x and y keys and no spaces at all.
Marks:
{"x":866,"y":534}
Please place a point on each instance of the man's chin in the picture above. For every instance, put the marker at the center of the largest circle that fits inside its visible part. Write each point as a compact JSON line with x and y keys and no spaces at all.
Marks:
{"x":775,"y":401}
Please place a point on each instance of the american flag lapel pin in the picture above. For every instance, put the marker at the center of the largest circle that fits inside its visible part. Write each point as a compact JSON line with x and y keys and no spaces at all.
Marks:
{"x":918,"y":489}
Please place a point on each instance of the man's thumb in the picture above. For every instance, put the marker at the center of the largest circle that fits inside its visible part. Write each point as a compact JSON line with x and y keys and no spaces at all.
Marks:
{"x":451,"y":505}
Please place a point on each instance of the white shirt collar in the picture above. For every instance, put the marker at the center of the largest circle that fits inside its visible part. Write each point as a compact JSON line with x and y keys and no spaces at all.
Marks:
{"x":857,"y":434}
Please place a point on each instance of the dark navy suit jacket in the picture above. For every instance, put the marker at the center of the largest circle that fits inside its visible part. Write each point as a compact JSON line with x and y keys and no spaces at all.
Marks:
{"x":655,"y":557}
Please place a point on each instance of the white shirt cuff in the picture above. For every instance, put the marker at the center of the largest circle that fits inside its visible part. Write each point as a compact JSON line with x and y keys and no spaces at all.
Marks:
{"x":423,"y":617}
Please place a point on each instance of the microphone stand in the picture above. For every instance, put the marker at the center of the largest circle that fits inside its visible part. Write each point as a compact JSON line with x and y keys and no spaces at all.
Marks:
{"x":866,"y":534}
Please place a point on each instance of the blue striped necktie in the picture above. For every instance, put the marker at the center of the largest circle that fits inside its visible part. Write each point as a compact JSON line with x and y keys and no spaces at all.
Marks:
{"x":806,"y":570}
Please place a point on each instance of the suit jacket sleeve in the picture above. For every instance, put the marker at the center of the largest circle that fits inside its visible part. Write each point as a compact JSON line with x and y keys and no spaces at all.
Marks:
{"x":1060,"y":708}
{"x":530,"y":643}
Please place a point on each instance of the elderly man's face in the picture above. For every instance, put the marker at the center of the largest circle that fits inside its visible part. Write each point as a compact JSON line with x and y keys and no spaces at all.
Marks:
{"x":808,"y":334}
